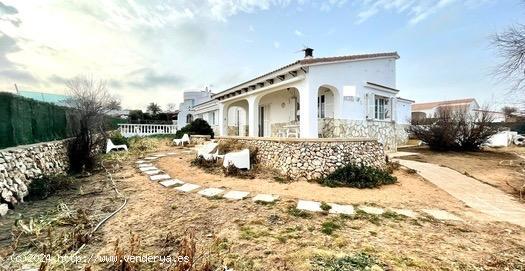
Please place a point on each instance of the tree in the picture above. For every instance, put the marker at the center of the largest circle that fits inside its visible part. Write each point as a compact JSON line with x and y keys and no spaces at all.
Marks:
{"x":154,"y":108}
{"x":114,"y":105}
{"x":510,"y":45}
{"x":508,"y":111}
{"x":91,"y":100}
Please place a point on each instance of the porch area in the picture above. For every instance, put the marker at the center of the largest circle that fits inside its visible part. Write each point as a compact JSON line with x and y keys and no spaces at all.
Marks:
{"x":290,"y":112}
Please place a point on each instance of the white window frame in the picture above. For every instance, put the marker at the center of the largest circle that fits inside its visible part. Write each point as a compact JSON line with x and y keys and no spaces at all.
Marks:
{"x":382,"y":108}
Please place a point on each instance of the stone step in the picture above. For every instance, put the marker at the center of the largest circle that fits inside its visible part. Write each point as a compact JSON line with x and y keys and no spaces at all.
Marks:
{"x":140,"y":161}
{"x":404,"y":212}
{"x":188,"y":187}
{"x":151,"y":158}
{"x":236,"y":195}
{"x":341,"y":209}
{"x":171,"y":183}
{"x":371,"y":210}
{"x":145,"y":164}
{"x":210,"y":192}
{"x":308,"y":205}
{"x":265,"y":198}
{"x":159,"y":177}
{"x":152,"y":172}
{"x":147,"y":168}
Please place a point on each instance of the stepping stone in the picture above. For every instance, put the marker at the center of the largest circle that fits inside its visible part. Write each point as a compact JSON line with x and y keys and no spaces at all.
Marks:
{"x":441,"y":214}
{"x":152,"y":172}
{"x":171,"y":153}
{"x":235,"y":195}
{"x":187,"y":151}
{"x":151,"y":158}
{"x":188,"y":187}
{"x":171,"y":182}
{"x":308,"y":205}
{"x":140,"y":161}
{"x":266,"y":198}
{"x":147,"y":168}
{"x":210,"y":192}
{"x":371,"y":210}
{"x":145,"y":165}
{"x":405,"y":212}
{"x":341,"y":209}
{"x":159,"y":155}
{"x":159,"y":177}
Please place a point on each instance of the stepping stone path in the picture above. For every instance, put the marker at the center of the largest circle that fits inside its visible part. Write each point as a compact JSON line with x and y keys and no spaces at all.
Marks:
{"x":210,"y":192}
{"x":145,"y":164}
{"x":171,"y":153}
{"x":441,"y":214}
{"x":371,"y":210}
{"x":265,"y":198}
{"x":152,"y":172}
{"x":405,"y":212}
{"x":159,"y":177}
{"x":147,"y":168}
{"x":341,"y":209}
{"x":236,"y":195}
{"x":140,"y":161}
{"x":171,"y":183}
{"x":308,"y":205}
{"x":188,"y":187}
{"x":151,"y":158}
{"x":160,"y":155}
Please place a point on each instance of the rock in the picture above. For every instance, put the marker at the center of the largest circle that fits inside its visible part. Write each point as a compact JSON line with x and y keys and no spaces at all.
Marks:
{"x":3,"y":209}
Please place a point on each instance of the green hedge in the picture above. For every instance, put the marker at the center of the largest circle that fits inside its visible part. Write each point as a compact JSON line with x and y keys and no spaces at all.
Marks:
{"x":26,"y":121}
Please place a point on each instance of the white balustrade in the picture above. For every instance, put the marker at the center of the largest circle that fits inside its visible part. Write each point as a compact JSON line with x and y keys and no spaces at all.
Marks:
{"x":128,"y":130}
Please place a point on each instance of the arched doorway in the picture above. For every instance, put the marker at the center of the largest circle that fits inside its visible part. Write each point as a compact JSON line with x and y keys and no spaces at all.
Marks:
{"x":328,"y":102}
{"x":237,"y":118}
{"x":278,"y":113}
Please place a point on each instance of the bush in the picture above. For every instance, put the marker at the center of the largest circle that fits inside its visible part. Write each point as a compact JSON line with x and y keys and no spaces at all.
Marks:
{"x":196,"y":127}
{"x":358,"y":176}
{"x":455,"y":129}
{"x":232,"y":145}
{"x":118,"y":139}
{"x":358,"y":261}
{"x":200,"y":162}
{"x":48,"y":185}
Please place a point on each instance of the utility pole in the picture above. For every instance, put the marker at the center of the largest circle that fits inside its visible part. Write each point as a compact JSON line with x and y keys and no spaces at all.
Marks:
{"x":16,"y":88}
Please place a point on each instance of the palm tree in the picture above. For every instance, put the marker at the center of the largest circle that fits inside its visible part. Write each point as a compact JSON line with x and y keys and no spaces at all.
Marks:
{"x":154,"y":108}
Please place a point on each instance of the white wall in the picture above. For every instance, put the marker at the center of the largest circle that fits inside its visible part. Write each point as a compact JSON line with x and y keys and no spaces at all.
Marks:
{"x":191,"y":98}
{"x":403,"y":111}
{"x":354,"y":74}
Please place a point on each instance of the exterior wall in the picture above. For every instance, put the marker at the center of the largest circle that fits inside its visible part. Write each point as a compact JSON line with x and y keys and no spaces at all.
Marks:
{"x":311,"y":159}
{"x":191,"y":98}
{"x":389,"y":134}
{"x":403,"y":111}
{"x":353,"y":75}
{"x":20,"y":165}
{"x":280,"y":109}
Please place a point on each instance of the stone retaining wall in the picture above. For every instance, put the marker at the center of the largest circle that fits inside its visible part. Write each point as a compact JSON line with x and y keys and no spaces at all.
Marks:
{"x":388,"y":133}
{"x":310,"y":159}
{"x":20,"y":165}
{"x":199,"y":139}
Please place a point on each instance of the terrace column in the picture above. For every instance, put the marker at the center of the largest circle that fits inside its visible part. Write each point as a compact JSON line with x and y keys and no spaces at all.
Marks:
{"x":308,"y":112}
{"x":253,"y":115}
{"x":223,"y":119}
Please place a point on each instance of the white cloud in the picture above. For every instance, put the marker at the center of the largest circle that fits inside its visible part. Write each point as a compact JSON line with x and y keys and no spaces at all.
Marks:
{"x":416,"y":10}
{"x":276,"y":44}
{"x":298,"y":33}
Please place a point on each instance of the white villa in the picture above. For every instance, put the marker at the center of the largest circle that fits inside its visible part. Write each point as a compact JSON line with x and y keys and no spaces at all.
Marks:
{"x":191,"y":98}
{"x":329,"y":97}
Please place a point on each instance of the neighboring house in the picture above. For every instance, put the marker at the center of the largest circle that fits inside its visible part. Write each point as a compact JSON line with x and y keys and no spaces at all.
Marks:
{"x":430,"y":109}
{"x":191,"y":98}
{"x":56,"y":99}
{"x":331,"y":97}
{"x":123,"y":114}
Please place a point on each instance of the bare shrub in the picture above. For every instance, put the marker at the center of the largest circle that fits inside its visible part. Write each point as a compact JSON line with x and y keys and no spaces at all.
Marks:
{"x":455,"y":129}
{"x":91,"y":101}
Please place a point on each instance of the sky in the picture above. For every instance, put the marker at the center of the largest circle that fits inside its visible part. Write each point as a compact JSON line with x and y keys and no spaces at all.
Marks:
{"x":153,"y":50}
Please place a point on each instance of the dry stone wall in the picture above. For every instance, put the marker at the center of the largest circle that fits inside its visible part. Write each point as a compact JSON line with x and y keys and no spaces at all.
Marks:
{"x":20,"y":165}
{"x":388,"y":133}
{"x":311,"y":159}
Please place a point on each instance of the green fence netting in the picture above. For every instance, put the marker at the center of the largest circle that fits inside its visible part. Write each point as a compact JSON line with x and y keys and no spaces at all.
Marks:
{"x":26,"y":121}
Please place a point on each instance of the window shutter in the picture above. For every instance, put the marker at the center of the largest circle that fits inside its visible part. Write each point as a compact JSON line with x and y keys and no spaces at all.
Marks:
{"x":394,"y":109}
{"x":370,"y":112}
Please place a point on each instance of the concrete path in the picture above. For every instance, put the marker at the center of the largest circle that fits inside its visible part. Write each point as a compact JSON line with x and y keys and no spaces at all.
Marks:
{"x":477,"y":195}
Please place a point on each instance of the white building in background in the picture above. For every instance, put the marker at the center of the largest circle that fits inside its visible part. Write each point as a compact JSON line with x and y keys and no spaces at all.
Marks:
{"x":430,"y":109}
{"x":191,"y":99}
{"x":330,"y":97}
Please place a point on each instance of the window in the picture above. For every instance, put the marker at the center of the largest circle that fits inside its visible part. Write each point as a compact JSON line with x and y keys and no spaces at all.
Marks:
{"x":321,"y":106}
{"x":382,"y":108}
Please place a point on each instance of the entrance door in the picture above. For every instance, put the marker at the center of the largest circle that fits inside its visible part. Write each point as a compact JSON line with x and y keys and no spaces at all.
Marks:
{"x":263,"y":121}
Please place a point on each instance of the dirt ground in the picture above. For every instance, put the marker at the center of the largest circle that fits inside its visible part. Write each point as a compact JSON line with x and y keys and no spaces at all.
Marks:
{"x":500,"y":168}
{"x":247,"y":236}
